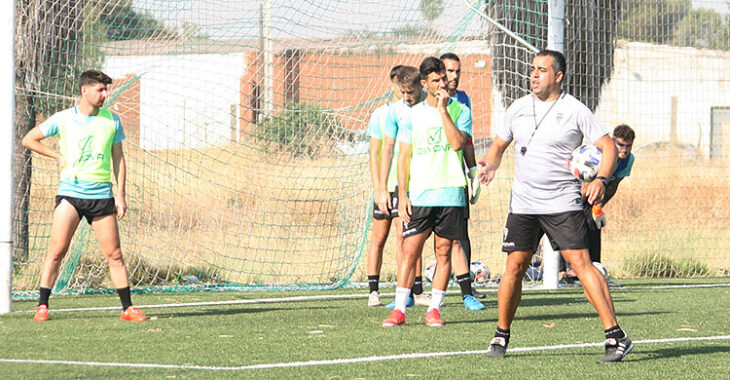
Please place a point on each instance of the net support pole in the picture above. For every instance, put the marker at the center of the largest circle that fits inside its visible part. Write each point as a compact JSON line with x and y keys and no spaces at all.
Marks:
{"x":556,"y":41}
{"x":556,"y":25}
{"x":7,"y":108}
{"x":268,"y":87}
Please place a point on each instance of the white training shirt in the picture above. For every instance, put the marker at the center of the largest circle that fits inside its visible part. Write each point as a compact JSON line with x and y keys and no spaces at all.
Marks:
{"x":543,"y":184}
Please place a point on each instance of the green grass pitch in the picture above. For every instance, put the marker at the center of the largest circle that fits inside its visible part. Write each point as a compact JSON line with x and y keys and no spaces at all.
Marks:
{"x":218,"y":338}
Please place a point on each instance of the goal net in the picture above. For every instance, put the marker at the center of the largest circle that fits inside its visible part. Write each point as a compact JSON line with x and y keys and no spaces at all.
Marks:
{"x":245,"y":129}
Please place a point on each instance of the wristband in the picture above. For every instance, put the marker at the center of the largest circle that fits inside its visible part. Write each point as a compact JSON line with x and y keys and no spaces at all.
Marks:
{"x":603,"y":179}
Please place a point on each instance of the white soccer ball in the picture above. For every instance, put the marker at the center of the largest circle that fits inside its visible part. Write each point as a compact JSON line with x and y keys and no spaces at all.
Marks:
{"x":585,"y":161}
{"x":533,"y":273}
{"x":479,"y":272}
{"x":429,"y":271}
{"x":601,"y":269}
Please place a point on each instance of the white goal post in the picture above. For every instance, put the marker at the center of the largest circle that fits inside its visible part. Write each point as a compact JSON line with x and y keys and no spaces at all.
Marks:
{"x":556,"y":39}
{"x":7,"y":86}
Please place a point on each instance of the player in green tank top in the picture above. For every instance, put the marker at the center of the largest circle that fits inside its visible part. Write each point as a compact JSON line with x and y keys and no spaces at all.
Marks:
{"x":88,"y":154}
{"x":434,"y":147}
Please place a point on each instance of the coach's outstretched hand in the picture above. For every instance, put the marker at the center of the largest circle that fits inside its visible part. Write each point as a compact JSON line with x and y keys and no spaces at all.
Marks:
{"x":486,"y":172}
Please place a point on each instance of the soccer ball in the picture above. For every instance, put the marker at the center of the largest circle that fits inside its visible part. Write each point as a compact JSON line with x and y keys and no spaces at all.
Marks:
{"x":533,"y":273}
{"x":601,"y":269}
{"x":479,"y":272}
{"x":429,"y":271}
{"x":585,"y":161}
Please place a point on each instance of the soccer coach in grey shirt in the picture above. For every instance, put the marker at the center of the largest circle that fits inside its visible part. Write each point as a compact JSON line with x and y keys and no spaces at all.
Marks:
{"x":546,"y":126}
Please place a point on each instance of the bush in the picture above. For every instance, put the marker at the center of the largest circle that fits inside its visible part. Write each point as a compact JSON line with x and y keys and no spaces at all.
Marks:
{"x":652,"y":265}
{"x":302,"y":130}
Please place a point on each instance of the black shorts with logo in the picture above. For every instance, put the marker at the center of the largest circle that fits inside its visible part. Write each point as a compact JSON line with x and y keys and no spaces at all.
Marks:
{"x":379,"y":215}
{"x":89,"y":208}
{"x":446,"y":222}
{"x":565,"y":230}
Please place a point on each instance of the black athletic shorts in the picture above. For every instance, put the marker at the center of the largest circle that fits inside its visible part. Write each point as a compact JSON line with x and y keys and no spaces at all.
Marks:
{"x":566,"y":230}
{"x":466,"y":208}
{"x":89,"y":208}
{"x":446,"y":222}
{"x":379,"y":215}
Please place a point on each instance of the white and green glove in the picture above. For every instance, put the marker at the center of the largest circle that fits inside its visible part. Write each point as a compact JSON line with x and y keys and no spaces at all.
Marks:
{"x":474,"y":185}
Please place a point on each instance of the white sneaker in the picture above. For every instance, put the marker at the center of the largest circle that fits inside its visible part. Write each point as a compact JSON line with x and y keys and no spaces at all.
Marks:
{"x":422,"y":299}
{"x":374,"y":298}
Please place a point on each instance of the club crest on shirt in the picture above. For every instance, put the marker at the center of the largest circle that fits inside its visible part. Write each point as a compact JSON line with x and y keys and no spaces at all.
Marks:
{"x":434,"y":135}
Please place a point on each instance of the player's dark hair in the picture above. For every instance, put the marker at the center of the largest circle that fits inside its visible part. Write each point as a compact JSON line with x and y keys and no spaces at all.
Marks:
{"x":90,"y":77}
{"x":450,"y":56}
{"x":431,"y":65}
{"x":559,"y":64}
{"x":394,"y":71}
{"x":624,"y":132}
{"x":408,"y":76}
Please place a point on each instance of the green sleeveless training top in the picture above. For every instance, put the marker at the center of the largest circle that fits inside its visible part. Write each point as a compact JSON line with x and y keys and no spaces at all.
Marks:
{"x":434,"y":164}
{"x":87,"y":149}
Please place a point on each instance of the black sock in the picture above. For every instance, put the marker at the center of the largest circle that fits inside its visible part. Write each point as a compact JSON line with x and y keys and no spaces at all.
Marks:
{"x":45,"y":294}
{"x":502,"y":334}
{"x":373,"y":283}
{"x":464,"y":281}
{"x":125,"y":297}
{"x":614,"y":332}
{"x":417,"y":286}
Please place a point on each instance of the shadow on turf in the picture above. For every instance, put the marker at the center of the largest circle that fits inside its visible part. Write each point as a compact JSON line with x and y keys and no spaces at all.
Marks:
{"x":551,"y":317}
{"x":230,"y":311}
{"x":542,"y":301}
{"x":639,"y":353}
{"x":675,"y":352}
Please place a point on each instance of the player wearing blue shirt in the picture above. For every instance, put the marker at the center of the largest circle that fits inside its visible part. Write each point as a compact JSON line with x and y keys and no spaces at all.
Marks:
{"x":453,"y":75}
{"x":90,"y":154}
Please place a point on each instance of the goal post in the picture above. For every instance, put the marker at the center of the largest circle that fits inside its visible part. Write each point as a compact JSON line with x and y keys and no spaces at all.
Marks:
{"x":556,"y":41}
{"x":7,"y":109}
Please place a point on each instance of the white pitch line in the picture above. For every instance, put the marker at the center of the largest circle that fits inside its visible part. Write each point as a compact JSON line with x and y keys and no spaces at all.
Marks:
{"x":311,"y":363}
{"x":328,"y":297}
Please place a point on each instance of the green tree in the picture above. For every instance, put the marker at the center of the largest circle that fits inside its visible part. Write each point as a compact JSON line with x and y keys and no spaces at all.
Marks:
{"x":431,"y":10}
{"x":703,"y":28}
{"x":652,"y":21}
{"x":123,"y":22}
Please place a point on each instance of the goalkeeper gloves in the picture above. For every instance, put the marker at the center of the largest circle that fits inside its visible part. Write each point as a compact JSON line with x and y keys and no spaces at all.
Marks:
{"x":474,"y":185}
{"x":598,"y":216}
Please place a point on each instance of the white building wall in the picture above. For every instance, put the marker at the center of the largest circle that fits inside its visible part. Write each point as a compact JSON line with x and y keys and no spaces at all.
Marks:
{"x":646,"y":77}
{"x":185,"y":100}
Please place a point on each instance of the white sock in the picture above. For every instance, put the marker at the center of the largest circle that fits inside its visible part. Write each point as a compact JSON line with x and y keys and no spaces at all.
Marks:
{"x":401,"y":298}
{"x":437,"y":297}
